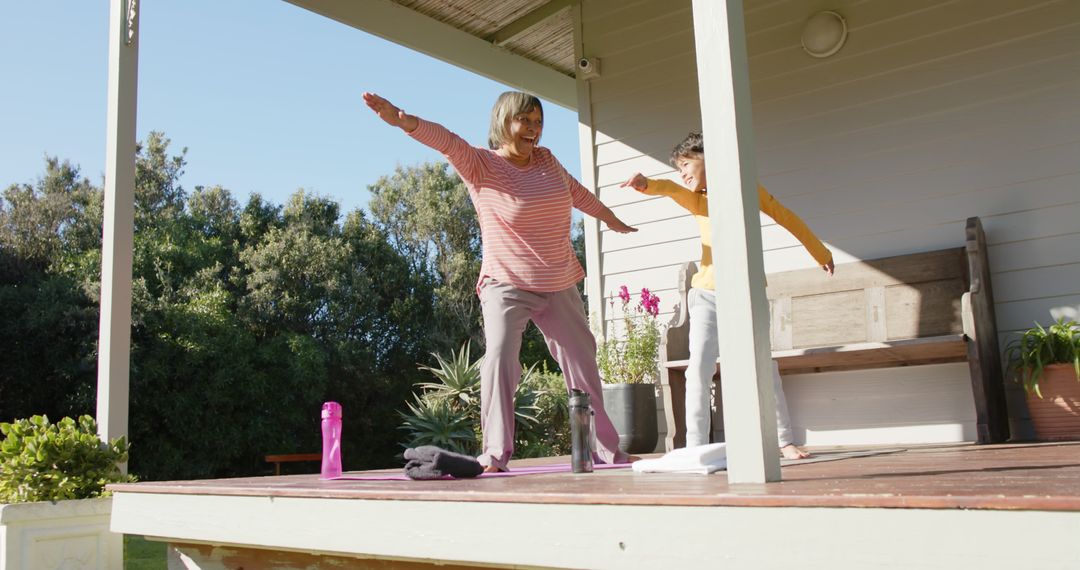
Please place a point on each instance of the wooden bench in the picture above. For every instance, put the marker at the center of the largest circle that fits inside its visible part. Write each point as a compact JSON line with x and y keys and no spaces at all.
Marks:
{"x":277,"y":460}
{"x":922,"y":308}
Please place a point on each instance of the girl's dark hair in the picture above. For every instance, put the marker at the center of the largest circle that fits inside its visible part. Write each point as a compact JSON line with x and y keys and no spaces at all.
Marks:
{"x":693,"y":146}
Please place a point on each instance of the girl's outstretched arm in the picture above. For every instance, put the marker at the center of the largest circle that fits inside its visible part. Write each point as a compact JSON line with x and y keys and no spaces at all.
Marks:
{"x":694,"y":202}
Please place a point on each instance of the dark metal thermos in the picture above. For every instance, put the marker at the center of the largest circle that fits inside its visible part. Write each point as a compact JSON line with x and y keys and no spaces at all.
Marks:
{"x":581,"y":432}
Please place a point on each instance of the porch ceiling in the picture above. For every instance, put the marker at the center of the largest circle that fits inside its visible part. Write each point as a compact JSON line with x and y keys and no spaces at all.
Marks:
{"x":540,"y":30}
{"x":527,"y":44}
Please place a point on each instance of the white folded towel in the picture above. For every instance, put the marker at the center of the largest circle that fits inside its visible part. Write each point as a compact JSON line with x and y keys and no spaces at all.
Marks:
{"x":702,"y":459}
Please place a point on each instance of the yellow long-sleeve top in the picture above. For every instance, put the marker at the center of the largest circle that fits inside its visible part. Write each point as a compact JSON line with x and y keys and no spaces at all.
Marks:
{"x":697,"y":203}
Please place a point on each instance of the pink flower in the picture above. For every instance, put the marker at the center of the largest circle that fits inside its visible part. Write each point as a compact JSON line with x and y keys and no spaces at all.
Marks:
{"x":650,"y":302}
{"x":624,"y":294}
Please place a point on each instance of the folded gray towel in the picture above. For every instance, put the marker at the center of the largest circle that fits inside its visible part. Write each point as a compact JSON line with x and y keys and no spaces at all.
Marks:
{"x":424,"y":453}
{"x":431,"y":462}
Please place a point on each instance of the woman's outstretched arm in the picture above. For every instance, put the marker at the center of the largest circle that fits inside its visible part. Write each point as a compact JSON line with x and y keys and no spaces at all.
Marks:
{"x":390,"y":113}
{"x":465,"y":158}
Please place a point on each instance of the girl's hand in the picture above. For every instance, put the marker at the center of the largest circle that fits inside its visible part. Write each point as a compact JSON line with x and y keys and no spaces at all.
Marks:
{"x":828,"y":267}
{"x":390,"y":113}
{"x":637,"y":182}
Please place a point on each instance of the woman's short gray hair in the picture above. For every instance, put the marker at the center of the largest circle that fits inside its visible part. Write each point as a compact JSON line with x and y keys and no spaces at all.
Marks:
{"x":507,"y":106}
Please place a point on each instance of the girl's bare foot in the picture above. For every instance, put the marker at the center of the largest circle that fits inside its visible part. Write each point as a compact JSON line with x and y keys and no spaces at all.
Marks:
{"x":491,"y":469}
{"x":789,"y":451}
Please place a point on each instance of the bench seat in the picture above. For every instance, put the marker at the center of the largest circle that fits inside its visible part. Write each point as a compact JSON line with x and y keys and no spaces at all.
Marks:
{"x":862,"y":355}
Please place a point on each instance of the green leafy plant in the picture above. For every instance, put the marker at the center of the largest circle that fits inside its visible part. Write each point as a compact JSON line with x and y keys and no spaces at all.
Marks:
{"x":43,"y":461}
{"x":446,"y":412}
{"x":549,"y":434}
{"x":632,"y":359}
{"x":1038,"y":347}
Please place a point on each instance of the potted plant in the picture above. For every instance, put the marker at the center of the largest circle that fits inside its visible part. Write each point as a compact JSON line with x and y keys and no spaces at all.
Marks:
{"x":1046,"y":360}
{"x":628,"y":365}
{"x":54,"y":509}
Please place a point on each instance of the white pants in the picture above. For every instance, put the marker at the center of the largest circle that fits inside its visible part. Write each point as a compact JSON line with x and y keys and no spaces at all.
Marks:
{"x":704,"y":350}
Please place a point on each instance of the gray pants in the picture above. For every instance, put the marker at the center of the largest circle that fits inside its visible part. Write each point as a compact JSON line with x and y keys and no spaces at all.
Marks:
{"x":704,"y":350}
{"x":561,"y":317}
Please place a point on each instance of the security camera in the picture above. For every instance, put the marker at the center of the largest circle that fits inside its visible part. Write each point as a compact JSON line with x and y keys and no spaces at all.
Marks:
{"x":588,"y":67}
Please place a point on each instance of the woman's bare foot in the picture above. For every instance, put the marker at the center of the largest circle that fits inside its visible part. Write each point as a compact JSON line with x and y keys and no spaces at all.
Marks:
{"x":789,"y":451}
{"x":491,"y":469}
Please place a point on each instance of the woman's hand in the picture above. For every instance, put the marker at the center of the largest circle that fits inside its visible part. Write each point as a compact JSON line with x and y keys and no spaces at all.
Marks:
{"x":637,"y":182}
{"x":617,"y":225}
{"x":390,"y":113}
{"x":613,"y":222}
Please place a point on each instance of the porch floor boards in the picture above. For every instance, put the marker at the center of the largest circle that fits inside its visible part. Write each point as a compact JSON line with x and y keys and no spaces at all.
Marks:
{"x":1043,"y":477}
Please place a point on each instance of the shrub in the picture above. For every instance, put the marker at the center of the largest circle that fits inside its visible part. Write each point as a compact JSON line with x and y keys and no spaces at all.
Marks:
{"x":42,"y":461}
{"x":549,"y":435}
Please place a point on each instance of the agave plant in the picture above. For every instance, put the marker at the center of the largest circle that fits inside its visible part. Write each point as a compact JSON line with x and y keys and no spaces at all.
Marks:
{"x":1038,"y":347}
{"x":458,"y":378}
{"x":446,"y":412}
{"x":431,"y":421}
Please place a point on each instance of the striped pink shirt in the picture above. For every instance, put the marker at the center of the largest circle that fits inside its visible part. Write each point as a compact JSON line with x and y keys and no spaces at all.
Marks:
{"x":524,"y":211}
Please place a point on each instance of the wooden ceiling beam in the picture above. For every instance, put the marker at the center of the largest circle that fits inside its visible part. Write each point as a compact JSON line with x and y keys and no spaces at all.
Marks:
{"x":515,"y":29}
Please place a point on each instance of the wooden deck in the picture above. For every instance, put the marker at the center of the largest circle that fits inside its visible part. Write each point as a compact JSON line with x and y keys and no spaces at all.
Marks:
{"x":947,"y":486}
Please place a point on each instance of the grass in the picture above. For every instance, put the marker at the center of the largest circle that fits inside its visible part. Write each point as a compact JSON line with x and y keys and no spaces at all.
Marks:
{"x":142,"y":554}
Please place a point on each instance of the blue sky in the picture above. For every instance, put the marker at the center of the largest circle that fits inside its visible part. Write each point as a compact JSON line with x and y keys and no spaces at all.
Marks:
{"x":265,"y":96}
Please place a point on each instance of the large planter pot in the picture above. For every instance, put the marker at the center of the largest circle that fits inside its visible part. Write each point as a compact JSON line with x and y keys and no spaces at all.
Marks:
{"x":65,"y":534}
{"x":632,"y":408}
{"x":1056,"y":416}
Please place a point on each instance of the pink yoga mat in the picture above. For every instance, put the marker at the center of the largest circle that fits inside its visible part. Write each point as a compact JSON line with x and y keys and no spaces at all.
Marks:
{"x":514,"y":472}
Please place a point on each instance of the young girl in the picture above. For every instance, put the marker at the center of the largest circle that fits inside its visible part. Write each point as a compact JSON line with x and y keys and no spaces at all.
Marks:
{"x":689,"y":158}
{"x":523,"y":198}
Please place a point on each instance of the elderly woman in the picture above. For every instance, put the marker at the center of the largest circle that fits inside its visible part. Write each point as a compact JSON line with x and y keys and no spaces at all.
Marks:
{"x":523,"y":198}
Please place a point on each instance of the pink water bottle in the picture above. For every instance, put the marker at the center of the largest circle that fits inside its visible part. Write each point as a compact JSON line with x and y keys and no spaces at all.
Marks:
{"x":331,"y":440}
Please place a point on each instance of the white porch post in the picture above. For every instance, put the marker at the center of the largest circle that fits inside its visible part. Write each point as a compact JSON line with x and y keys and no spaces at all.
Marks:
{"x":745,"y":355}
{"x":587,"y":147}
{"x":114,"y":335}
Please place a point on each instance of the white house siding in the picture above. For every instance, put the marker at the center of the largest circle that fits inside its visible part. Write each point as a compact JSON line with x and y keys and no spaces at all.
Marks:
{"x":932,"y":112}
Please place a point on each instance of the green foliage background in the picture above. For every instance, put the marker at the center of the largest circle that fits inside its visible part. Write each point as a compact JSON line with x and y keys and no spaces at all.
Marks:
{"x":246,"y":317}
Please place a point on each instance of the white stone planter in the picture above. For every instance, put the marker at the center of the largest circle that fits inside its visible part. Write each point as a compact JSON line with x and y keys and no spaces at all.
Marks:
{"x":65,"y":534}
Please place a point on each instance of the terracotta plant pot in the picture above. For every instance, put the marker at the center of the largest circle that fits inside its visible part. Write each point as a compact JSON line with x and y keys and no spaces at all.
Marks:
{"x":1056,"y":416}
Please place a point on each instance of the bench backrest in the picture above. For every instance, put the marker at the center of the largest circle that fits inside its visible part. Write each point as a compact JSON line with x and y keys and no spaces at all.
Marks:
{"x":901,"y":297}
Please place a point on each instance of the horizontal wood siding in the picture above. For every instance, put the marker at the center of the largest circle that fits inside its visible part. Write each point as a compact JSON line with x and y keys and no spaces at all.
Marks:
{"x":642,"y":104}
{"x":932,"y":112}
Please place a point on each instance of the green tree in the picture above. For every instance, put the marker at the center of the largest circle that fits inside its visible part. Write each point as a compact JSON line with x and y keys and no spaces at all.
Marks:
{"x":48,"y":320}
{"x":428,"y":217}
